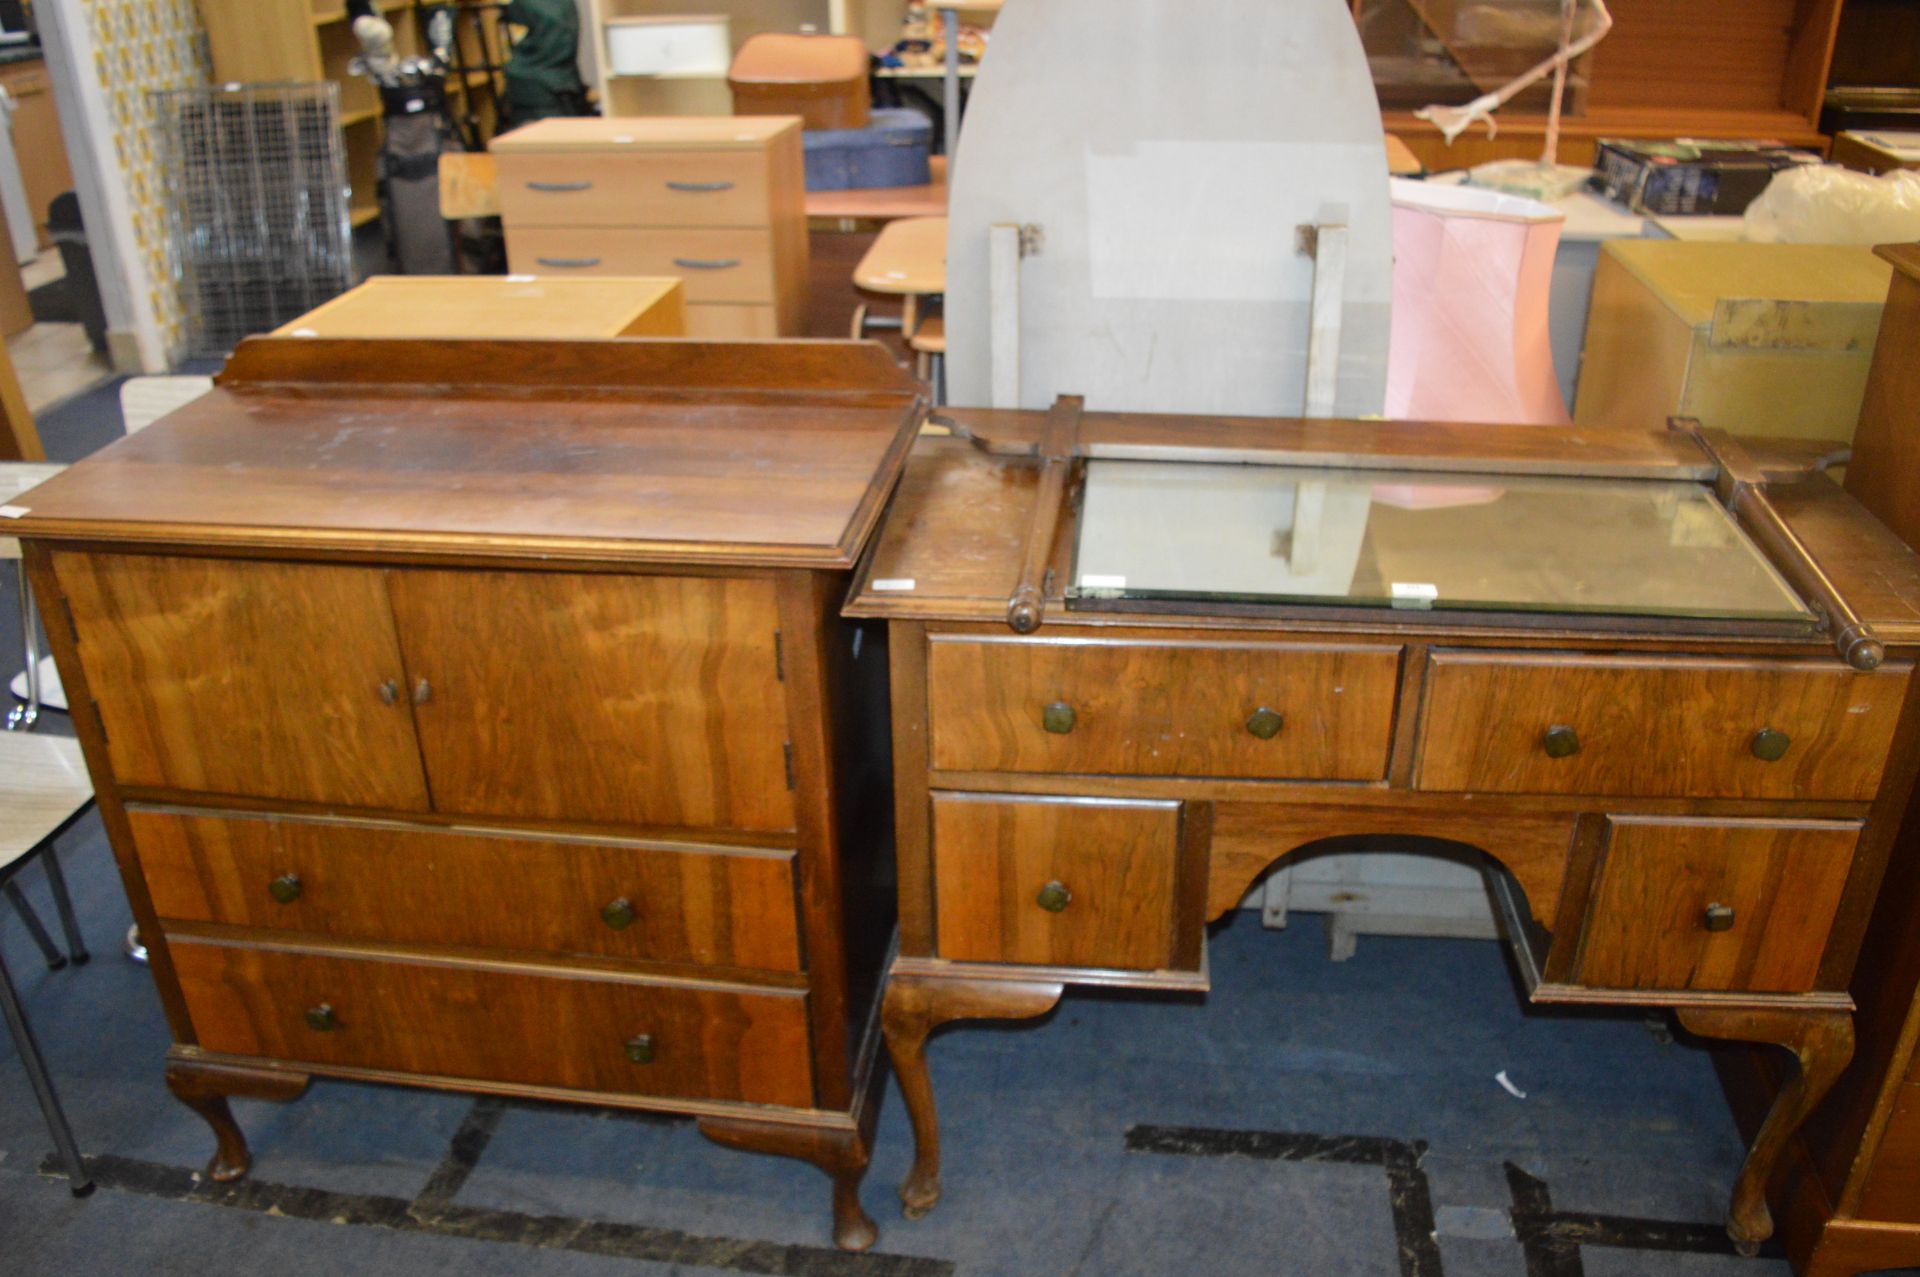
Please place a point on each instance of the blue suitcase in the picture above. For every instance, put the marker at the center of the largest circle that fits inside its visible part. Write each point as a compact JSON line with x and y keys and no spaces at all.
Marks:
{"x":892,"y":151}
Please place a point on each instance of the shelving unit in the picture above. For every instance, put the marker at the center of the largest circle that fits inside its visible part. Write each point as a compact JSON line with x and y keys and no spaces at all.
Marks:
{"x":696,"y":94}
{"x":267,"y":41}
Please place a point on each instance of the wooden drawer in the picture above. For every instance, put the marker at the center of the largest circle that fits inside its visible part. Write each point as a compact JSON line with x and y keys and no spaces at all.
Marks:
{"x":678,"y":188}
{"x":1002,"y":863}
{"x":489,"y":1024}
{"x":712,"y":265}
{"x":732,"y":323}
{"x":1714,"y":905}
{"x":373,"y":881}
{"x":1675,"y":727}
{"x":1161,"y":709}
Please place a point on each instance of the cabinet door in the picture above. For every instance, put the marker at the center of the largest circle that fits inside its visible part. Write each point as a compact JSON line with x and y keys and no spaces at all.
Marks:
{"x":269,"y":680}
{"x":1726,"y":905}
{"x":627,"y":700}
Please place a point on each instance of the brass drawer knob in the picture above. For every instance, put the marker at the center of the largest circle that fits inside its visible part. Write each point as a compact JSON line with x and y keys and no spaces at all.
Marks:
{"x":390,"y":692}
{"x":1057,"y":718}
{"x":1053,"y":897}
{"x":640,"y":1048}
{"x":1266,"y":723}
{"x":1770,"y":745}
{"x":422,"y":692}
{"x":618,"y":914}
{"x":285,"y":888}
{"x":1560,"y":742}
{"x":321,"y":1019}
{"x":1719,"y":917}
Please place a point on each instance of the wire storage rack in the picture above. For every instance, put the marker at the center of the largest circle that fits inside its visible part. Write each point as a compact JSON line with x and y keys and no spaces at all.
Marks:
{"x":256,"y":188}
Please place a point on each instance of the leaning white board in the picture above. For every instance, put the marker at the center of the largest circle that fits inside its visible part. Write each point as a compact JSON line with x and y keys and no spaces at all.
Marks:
{"x":1168,"y":150}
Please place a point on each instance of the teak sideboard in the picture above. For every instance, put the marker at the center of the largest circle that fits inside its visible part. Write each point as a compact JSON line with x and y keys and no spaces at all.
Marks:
{"x":478,"y":715}
{"x":1683,"y":813}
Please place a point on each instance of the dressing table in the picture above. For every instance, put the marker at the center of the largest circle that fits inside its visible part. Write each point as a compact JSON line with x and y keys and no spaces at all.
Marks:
{"x":1662,"y":681}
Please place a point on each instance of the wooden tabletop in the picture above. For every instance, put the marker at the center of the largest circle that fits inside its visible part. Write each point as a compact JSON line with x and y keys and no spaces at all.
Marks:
{"x":885,"y":203}
{"x":775,"y":454}
{"x":500,"y":306}
{"x":908,"y":258}
{"x":952,"y":544}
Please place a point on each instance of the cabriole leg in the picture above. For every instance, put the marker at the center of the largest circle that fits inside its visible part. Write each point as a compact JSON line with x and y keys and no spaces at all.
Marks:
{"x":1822,"y":1042}
{"x":204,"y":1088}
{"x":917,"y":1005}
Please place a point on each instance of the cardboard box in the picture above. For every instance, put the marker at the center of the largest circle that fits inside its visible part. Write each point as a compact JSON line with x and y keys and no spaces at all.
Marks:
{"x":1686,"y":176}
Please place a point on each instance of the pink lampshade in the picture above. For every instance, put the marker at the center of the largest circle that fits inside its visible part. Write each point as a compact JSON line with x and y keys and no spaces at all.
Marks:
{"x":1472,"y":273}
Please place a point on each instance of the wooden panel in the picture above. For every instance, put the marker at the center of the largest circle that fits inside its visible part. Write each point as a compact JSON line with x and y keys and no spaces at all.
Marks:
{"x":37,"y":141}
{"x":1887,"y":445}
{"x":677,"y":188}
{"x":1633,"y":367}
{"x":625,"y":699}
{"x":1162,"y":709}
{"x":1646,"y":927}
{"x":1656,"y":727}
{"x":732,"y":323}
{"x":497,"y":1025}
{"x":1889,"y":1193}
{"x":464,"y":889}
{"x":269,"y":680}
{"x":483,"y":306}
{"x":993,"y":854}
{"x":714,"y":265}
{"x":1657,"y":56}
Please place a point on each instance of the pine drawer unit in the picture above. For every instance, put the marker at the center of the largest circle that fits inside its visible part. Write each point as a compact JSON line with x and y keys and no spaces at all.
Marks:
{"x":507,"y":741}
{"x":718,"y":201}
{"x":1665,"y":690}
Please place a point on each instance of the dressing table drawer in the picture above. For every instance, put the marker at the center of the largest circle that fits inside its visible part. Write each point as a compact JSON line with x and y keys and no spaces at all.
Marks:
{"x":1253,"y":710}
{"x":1656,"y":726}
{"x":464,"y":889}
{"x":1066,"y":882}
{"x":487,"y":1024}
{"x":1714,"y":905}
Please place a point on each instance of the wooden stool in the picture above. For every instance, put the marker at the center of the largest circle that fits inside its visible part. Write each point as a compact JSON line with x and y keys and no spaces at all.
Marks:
{"x":929,"y":344}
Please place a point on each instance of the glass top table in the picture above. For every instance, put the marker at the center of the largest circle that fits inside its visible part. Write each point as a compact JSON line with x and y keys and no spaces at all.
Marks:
{"x":1287,"y":535}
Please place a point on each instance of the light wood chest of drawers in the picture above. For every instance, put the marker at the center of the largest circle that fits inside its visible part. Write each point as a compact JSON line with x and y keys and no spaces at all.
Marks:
{"x":719,"y":202}
{"x":507,"y":740}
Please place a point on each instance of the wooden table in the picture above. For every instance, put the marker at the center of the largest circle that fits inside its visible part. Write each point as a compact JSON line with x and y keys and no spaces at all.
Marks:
{"x":304,"y":606}
{"x":1691,"y":814}
{"x":499,"y":306}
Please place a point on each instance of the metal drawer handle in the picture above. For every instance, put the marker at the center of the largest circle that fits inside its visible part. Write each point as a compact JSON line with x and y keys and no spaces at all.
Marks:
{"x":618,"y":914}
{"x":1266,"y":723}
{"x":568,"y":263}
{"x":321,"y":1019}
{"x":640,"y":1048}
{"x":1561,"y":742}
{"x":559,"y":188}
{"x":1770,"y":745}
{"x":390,"y":692}
{"x":1057,"y":718}
{"x":699,"y":187}
{"x":422,"y":692}
{"x":1054,"y":897}
{"x":694,"y":263}
{"x":1719,"y":917}
{"x":285,"y":888}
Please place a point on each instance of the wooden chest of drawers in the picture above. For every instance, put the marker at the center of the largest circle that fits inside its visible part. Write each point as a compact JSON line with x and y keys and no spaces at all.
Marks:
{"x":1672,"y":813}
{"x":507,"y":741}
{"x":717,"y":201}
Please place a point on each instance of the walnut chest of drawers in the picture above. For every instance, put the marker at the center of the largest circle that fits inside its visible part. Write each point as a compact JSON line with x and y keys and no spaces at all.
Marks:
{"x":719,"y":201}
{"x":478,"y":715}
{"x":1691,"y":811}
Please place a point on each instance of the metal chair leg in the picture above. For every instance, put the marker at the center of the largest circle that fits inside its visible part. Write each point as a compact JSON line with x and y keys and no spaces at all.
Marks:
{"x":63,"y":903}
{"x":55,"y":959}
{"x":23,"y":716}
{"x":36,"y":1066}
